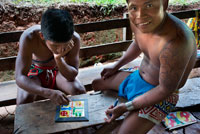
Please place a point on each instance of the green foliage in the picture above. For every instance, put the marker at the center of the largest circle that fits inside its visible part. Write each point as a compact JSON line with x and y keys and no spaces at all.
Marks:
{"x":102,"y":2}
{"x":107,"y":9}
{"x":7,"y":75}
{"x":182,"y":2}
{"x":98,"y":2}
{"x":35,"y":1}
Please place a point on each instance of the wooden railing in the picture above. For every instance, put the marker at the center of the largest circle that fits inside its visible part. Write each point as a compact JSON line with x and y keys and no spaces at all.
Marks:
{"x":8,"y":63}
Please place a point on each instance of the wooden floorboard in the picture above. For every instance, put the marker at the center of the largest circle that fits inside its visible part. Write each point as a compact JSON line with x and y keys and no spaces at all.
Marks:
{"x":86,"y":75}
{"x":160,"y":129}
{"x":193,"y":129}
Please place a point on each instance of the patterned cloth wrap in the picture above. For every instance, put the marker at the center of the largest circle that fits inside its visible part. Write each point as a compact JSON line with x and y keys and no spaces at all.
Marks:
{"x":134,"y":86}
{"x":47,"y":75}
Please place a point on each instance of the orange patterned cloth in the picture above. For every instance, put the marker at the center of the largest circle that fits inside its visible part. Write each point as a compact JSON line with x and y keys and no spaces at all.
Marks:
{"x":159,"y":111}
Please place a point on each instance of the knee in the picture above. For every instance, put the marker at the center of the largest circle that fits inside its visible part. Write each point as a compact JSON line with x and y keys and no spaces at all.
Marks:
{"x":96,"y":84}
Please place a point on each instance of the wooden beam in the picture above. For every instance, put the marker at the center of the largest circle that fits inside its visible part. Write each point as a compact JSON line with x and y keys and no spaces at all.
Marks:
{"x":104,"y":49}
{"x":8,"y":102}
{"x":7,"y":63}
{"x":102,"y":25}
{"x":127,"y":32}
{"x":185,"y":14}
{"x":7,"y":37}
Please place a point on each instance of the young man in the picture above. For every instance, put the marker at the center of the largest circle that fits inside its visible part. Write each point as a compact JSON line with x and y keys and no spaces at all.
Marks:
{"x":48,"y":59}
{"x":169,"y":55}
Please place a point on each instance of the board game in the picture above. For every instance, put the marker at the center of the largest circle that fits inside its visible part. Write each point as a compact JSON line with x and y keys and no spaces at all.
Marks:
{"x":77,"y":110}
{"x":178,"y":119}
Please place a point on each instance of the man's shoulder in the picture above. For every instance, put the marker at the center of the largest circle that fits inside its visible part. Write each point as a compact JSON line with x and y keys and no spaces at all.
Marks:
{"x":30,"y":34}
{"x":176,"y":31}
{"x":178,"y":25}
{"x":76,"y":39}
{"x":76,"y":36}
{"x":31,"y":30}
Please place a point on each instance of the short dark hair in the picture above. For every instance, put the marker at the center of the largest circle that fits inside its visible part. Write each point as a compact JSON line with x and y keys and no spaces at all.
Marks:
{"x":57,"y":25}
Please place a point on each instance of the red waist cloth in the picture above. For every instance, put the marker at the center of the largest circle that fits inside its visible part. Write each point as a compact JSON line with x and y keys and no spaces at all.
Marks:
{"x":47,"y":75}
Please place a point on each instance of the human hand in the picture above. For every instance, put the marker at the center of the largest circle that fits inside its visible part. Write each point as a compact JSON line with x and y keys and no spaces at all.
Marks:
{"x":107,"y":72}
{"x":115,"y":112}
{"x":58,"y":97}
{"x":63,"y":50}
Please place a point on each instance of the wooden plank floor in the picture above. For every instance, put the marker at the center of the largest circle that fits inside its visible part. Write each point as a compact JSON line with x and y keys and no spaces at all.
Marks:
{"x":158,"y":129}
{"x":191,"y":129}
{"x":39,"y":117}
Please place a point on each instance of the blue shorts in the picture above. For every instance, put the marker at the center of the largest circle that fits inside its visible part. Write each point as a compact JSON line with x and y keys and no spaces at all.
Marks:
{"x":134,"y":86}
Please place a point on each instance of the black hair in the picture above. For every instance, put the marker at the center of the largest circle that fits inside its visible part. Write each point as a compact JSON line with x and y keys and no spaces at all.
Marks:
{"x":57,"y":25}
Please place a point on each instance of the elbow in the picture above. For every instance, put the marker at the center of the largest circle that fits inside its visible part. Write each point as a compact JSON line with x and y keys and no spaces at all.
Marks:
{"x":17,"y":77}
{"x":72,"y":77}
{"x":18,"y":81}
{"x":165,"y":92}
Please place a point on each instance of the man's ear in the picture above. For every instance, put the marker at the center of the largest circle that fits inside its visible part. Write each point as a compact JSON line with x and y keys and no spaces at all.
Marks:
{"x":165,"y":4}
{"x":41,"y":35}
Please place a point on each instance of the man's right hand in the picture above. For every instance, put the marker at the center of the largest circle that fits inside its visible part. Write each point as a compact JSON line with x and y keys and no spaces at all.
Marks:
{"x":107,"y":72}
{"x":58,"y":97}
{"x":114,"y":112}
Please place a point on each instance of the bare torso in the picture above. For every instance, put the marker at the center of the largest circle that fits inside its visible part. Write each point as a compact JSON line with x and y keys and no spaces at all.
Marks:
{"x":152,"y":46}
{"x":40,"y":51}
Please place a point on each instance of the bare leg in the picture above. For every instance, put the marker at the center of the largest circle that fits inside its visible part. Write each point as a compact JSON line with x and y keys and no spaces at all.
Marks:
{"x":4,"y":131}
{"x":112,"y":82}
{"x":68,"y":87}
{"x":133,"y":124}
{"x":24,"y":97}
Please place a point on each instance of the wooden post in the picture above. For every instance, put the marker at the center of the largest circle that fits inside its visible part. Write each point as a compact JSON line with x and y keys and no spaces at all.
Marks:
{"x":127,"y":33}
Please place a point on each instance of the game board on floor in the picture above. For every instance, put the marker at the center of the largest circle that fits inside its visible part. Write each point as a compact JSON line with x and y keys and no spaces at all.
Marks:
{"x":77,"y":110}
{"x":178,"y":119}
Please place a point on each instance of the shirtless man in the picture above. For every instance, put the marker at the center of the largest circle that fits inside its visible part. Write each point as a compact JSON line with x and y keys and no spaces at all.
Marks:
{"x":48,"y":59}
{"x":169,"y":52}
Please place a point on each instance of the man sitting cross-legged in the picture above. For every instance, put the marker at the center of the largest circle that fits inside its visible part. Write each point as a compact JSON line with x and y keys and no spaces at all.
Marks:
{"x":169,"y":50}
